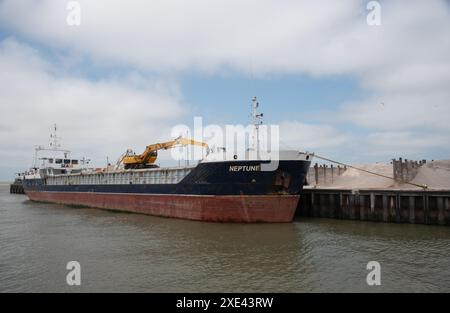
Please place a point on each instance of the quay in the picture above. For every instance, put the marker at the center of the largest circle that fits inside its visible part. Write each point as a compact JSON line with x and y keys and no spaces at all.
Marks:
{"x":389,"y":206}
{"x":335,"y":192}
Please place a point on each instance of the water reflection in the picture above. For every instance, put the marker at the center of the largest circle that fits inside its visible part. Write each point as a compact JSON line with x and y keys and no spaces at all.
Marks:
{"x":130,"y":252}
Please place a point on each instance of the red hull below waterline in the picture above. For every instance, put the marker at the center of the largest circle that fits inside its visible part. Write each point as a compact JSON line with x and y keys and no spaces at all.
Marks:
{"x":235,"y":208}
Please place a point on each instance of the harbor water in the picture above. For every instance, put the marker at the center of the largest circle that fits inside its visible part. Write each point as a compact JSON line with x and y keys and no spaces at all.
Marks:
{"x":138,"y":253}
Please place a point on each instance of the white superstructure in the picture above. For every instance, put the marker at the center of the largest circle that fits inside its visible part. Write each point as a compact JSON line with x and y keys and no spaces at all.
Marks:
{"x":54,"y":160}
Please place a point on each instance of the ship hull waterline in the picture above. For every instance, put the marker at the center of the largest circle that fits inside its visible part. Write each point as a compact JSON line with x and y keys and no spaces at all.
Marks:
{"x":212,"y":208}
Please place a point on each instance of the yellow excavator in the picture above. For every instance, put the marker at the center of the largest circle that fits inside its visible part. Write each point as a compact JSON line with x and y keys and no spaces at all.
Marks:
{"x":147,"y":159}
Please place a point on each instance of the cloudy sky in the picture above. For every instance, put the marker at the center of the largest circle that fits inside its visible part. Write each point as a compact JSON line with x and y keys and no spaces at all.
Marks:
{"x":133,"y":69}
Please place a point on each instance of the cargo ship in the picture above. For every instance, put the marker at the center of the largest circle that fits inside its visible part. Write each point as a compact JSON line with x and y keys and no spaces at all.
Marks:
{"x":217,"y":189}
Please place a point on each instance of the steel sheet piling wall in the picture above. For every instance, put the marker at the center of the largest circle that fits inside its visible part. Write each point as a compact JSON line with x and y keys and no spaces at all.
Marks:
{"x":390,"y":206}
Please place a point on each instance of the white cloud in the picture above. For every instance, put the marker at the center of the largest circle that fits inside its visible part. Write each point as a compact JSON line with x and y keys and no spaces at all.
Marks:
{"x":407,"y":140}
{"x":404,"y":63}
{"x":408,"y":53}
{"x":320,"y":37}
{"x":401,"y":111}
{"x":405,"y":143}
{"x":310,"y":137}
{"x":97,"y":118}
{"x":259,"y":36}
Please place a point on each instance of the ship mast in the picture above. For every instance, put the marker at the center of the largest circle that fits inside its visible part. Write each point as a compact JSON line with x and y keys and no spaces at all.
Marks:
{"x":55,"y":147}
{"x":54,"y":144}
{"x":256,"y":122}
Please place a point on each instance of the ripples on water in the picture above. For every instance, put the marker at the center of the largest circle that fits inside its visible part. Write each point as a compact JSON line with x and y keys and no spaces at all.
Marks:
{"x":130,"y":252}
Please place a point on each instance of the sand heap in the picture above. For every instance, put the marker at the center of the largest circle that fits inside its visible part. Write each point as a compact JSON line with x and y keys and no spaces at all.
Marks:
{"x":355,"y":179}
{"x":436,"y":175}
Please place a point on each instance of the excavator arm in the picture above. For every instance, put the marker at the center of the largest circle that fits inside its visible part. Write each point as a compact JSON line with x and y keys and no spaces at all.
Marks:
{"x":149,"y":156}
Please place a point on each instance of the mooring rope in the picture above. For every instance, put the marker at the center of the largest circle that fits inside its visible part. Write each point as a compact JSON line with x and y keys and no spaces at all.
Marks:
{"x":369,"y":172}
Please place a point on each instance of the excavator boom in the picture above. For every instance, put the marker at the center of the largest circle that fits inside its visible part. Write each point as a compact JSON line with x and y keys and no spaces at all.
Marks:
{"x":149,"y":156}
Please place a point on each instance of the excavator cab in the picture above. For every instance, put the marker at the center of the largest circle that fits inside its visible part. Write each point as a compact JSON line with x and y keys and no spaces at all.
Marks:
{"x":152,"y":157}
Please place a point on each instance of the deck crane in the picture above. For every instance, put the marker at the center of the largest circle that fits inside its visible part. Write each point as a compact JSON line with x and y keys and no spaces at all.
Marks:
{"x":148,"y":157}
